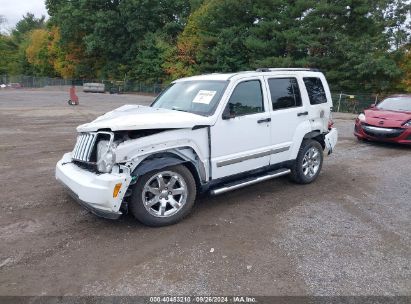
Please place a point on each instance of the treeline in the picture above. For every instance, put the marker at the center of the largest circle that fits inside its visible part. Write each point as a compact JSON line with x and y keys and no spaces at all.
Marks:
{"x":361,"y":45}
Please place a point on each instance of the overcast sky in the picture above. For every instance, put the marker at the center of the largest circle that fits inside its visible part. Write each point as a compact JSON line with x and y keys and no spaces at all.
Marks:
{"x":13,"y":10}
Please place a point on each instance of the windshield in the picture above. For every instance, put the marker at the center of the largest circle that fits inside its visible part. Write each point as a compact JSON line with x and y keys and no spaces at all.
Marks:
{"x":198,"y":97}
{"x":396,"y":104}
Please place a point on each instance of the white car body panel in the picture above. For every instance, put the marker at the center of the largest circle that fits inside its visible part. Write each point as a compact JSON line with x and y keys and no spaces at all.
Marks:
{"x":133,"y":117}
{"x":137,"y":150}
{"x":286,"y":125}
{"x":318,"y":114}
{"x":331,"y":140}
{"x":90,"y":188}
{"x":240,"y":138}
{"x":302,"y":129}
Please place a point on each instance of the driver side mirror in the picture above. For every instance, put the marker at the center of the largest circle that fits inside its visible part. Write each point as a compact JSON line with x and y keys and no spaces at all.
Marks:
{"x":229,"y":112}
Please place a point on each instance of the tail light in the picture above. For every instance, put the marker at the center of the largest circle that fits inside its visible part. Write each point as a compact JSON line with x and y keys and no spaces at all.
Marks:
{"x":330,"y":124}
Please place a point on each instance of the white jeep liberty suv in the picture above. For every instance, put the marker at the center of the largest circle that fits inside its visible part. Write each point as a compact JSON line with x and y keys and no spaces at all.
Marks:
{"x":209,"y":133}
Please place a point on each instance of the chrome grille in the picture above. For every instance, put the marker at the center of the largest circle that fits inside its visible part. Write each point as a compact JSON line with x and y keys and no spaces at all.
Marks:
{"x":382,"y":132}
{"x":84,"y":147}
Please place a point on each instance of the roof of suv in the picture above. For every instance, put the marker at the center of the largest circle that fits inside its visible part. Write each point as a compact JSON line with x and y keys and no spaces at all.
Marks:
{"x":258,"y":72}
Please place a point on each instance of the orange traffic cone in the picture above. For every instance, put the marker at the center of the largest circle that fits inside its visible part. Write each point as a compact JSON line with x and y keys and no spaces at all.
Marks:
{"x":73,"y":101}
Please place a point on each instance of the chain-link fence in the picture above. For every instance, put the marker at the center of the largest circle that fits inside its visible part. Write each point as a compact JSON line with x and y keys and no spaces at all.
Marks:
{"x":32,"y":82}
{"x":118,"y":87}
{"x":129,"y":86}
{"x":355,"y":102}
{"x":343,"y":101}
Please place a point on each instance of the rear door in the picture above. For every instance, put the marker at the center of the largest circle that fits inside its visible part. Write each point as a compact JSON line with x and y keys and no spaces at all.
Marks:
{"x":287,"y":113}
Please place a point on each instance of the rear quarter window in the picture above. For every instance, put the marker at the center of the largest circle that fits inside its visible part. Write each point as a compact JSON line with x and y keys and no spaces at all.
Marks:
{"x":315,"y":90}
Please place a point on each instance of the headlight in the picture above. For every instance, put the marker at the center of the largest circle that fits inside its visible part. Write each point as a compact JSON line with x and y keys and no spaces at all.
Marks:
{"x":361,"y":117}
{"x":407,"y":124}
{"x":105,"y":156}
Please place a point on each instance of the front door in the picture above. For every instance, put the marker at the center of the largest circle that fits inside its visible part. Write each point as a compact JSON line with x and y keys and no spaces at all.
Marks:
{"x":240,"y":140}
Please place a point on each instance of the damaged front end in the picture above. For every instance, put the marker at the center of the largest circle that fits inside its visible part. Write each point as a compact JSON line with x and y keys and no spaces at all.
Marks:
{"x":95,"y":151}
{"x":104,"y":164}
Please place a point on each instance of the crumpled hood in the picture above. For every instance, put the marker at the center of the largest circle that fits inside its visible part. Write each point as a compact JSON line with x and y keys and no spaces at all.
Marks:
{"x":384,"y":118}
{"x":133,"y":117}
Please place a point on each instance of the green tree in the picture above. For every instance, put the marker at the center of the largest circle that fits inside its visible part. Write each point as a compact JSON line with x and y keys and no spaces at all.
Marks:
{"x":38,"y":53}
{"x":7,"y":54}
{"x":352,"y":41}
{"x":213,"y":39}
{"x":404,"y":63}
{"x":28,"y":23}
{"x":13,"y":46}
{"x":359,"y":44}
{"x":112,"y":33}
{"x":148,"y":64}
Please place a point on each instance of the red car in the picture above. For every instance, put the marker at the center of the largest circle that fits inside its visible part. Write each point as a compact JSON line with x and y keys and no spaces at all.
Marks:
{"x":389,"y":121}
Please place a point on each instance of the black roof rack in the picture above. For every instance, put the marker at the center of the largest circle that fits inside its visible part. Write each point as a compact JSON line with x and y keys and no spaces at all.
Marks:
{"x":287,"y":69}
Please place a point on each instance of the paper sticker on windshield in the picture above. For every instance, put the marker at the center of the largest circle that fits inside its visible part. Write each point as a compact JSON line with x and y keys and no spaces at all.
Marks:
{"x":204,"y":97}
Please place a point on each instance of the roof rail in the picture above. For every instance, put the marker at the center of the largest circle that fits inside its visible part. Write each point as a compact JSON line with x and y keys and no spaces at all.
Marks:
{"x":286,"y":69}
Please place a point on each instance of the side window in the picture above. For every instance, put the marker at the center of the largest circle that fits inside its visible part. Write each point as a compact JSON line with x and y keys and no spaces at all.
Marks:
{"x":315,"y":90}
{"x":285,"y":93}
{"x":247,"y":98}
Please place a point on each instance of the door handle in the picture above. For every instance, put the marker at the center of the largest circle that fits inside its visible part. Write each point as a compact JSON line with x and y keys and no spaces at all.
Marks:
{"x":264,"y":120}
{"x":302,"y":113}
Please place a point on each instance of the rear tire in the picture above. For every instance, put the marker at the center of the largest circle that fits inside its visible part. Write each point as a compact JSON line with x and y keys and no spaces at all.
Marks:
{"x":309,"y":162}
{"x":163,"y":197}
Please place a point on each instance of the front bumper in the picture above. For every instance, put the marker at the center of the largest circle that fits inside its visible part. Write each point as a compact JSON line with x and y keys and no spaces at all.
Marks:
{"x":93,"y":191}
{"x":376,"y":133}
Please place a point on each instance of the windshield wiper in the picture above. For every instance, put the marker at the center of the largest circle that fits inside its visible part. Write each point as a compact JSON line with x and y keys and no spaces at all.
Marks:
{"x":180,"y":110}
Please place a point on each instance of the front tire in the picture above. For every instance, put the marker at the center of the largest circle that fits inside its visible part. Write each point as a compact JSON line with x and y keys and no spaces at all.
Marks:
{"x":163,"y":197}
{"x":309,"y":162}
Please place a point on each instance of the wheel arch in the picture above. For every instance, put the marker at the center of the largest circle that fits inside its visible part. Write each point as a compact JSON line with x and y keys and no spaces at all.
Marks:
{"x":316,"y":135}
{"x":165,"y":159}
{"x":303,"y":132}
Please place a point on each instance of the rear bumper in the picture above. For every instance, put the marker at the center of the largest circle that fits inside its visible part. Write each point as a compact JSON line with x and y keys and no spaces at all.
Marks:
{"x":375,"y":133}
{"x":93,"y":191}
{"x":331,"y":139}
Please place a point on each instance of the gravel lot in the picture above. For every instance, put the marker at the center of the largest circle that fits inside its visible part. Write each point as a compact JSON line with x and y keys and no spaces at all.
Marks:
{"x":349,"y":233}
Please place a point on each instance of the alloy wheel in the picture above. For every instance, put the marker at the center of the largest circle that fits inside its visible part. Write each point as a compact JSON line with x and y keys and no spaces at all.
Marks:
{"x":164,"y":194}
{"x":311,"y":162}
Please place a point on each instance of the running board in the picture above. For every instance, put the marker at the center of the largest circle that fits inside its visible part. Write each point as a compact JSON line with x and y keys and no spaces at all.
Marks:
{"x":249,"y":181}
